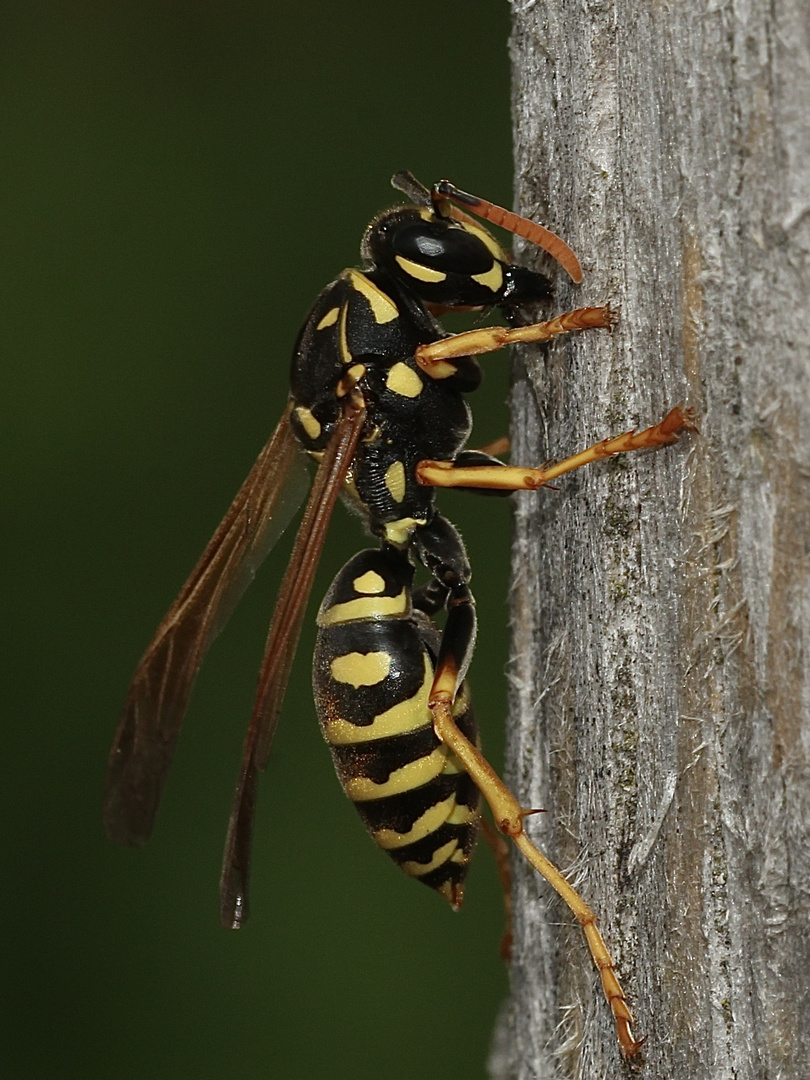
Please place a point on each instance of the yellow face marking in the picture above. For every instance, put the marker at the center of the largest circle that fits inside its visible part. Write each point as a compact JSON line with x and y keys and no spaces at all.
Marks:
{"x":365,"y":607}
{"x":370,"y":582}
{"x":308,"y":421}
{"x":398,"y":532}
{"x":418,"y":869}
{"x":410,"y":776}
{"x":404,"y":381}
{"x":421,"y":273}
{"x":343,"y":341}
{"x":429,"y":822}
{"x":382,"y":307}
{"x":409,"y":715}
{"x":361,"y":669}
{"x":492,"y":279}
{"x":395,"y":481}
{"x":487,"y":239}
{"x":329,"y":319}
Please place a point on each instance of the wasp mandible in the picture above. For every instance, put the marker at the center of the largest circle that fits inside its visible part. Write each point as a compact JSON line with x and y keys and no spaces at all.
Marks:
{"x":378,"y":399}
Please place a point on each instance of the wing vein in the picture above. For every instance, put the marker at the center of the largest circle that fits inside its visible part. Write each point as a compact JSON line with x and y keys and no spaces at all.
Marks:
{"x":282,"y":640}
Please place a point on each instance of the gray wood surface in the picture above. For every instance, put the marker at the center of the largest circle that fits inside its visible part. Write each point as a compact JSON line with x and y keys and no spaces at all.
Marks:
{"x":661,"y":601}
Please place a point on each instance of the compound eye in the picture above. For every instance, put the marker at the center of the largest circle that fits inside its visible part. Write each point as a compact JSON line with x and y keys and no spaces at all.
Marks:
{"x":439,"y":246}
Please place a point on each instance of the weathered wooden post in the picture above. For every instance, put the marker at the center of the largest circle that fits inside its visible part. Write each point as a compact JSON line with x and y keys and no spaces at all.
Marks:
{"x":661,"y":608}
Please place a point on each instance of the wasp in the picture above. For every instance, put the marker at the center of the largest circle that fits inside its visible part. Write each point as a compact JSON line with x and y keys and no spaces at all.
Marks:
{"x":378,"y":398}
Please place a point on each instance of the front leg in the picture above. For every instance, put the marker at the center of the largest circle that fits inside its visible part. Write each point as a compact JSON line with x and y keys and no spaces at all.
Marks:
{"x":515,"y":478}
{"x":437,"y":358}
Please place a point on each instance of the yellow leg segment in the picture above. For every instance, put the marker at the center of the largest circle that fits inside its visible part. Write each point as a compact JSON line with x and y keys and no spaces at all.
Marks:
{"x":436,"y":358}
{"x":514,"y":478}
{"x":509,"y":815}
{"x":495,"y":448}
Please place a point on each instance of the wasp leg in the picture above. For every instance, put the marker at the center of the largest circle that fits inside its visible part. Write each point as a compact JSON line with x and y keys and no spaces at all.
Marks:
{"x":500,"y":849}
{"x":443,"y":552}
{"x":494,"y":448}
{"x":436,"y":357}
{"x":509,"y":815}
{"x":478,"y":459}
{"x":514,"y":478}
{"x":430,"y":598}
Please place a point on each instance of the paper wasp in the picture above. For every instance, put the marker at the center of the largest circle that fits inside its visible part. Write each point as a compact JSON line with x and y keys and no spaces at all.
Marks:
{"x":378,"y":400}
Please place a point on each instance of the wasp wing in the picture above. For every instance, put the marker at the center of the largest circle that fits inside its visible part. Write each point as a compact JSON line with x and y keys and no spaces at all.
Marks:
{"x":153,"y":712}
{"x":282,"y":640}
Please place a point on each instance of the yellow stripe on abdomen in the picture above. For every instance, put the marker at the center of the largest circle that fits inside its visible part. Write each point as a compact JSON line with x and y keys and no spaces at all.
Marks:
{"x":410,"y":776}
{"x":416,"y":869}
{"x":401,"y":718}
{"x":428,"y":823}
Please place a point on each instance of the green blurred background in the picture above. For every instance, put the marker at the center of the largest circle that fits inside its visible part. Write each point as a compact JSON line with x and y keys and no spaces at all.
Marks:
{"x":179,"y":181}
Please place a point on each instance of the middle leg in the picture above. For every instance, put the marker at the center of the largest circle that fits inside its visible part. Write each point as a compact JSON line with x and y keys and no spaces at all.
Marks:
{"x":515,"y":478}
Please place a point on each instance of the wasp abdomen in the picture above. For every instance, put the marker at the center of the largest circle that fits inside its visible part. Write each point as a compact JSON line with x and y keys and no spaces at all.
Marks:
{"x":372,"y":677}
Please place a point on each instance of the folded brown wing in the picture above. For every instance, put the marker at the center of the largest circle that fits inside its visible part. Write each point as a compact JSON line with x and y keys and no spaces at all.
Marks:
{"x":282,"y":640}
{"x":156,"y":703}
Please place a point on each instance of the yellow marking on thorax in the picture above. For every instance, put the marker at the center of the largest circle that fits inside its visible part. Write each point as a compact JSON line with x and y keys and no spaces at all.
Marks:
{"x":404,"y":381}
{"x":440,"y":856}
{"x":492,"y":279}
{"x":370,"y":582}
{"x":410,"y":776}
{"x":365,"y":607}
{"x":421,"y":273}
{"x":329,"y":319}
{"x":429,"y":822}
{"x":308,"y":422}
{"x":361,"y":669}
{"x":460,"y":856}
{"x":382,"y":307}
{"x":399,"y":532}
{"x":405,"y":716}
{"x":395,"y":481}
{"x":343,"y":341}
{"x":356,"y":372}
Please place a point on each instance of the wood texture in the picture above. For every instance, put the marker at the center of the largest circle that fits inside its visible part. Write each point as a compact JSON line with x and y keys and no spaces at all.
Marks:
{"x":661,"y":602}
